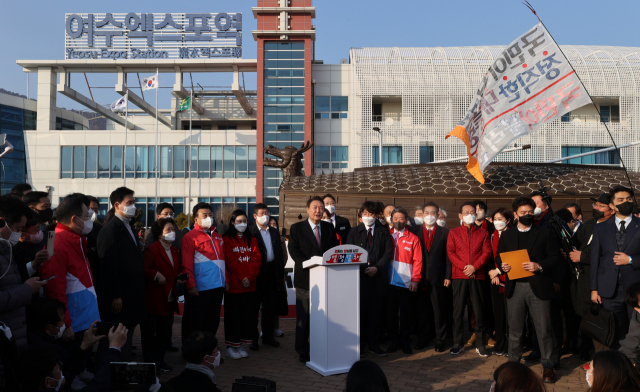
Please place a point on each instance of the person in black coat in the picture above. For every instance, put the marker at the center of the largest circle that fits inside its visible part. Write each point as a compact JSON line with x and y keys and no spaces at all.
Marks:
{"x":271,"y":273}
{"x":200,"y":350}
{"x":122,"y":282}
{"x":341,"y":225}
{"x":374,"y":276}
{"x":534,"y":292}
{"x":436,"y":276}
{"x":308,"y":238}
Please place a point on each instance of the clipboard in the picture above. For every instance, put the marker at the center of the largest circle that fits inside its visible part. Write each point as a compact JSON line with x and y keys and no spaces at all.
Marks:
{"x":515,"y":259}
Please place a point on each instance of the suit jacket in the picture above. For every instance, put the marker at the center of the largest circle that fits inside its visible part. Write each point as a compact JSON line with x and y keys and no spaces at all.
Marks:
{"x":604,"y":273}
{"x":192,"y":381}
{"x":543,"y":248}
{"x":381,"y":254}
{"x":343,"y":227}
{"x":436,"y":266}
{"x":121,"y":274}
{"x":303,"y":246}
{"x":581,"y":287}
{"x":157,"y":296}
{"x":276,"y":245}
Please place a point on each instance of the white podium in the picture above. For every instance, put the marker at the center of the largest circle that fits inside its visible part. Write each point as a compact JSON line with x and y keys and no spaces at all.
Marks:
{"x":334,"y":295}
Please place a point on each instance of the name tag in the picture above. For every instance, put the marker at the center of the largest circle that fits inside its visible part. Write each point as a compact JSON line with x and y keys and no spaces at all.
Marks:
{"x":407,"y":248}
{"x":343,"y":228}
{"x":407,"y":242}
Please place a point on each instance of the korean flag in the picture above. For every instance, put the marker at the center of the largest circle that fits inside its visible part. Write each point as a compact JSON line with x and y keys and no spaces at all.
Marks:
{"x":150,"y":83}
{"x":120,"y":105}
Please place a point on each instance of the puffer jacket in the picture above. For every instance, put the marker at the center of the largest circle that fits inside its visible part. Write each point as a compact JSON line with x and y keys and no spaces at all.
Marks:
{"x":406,"y":266}
{"x":14,"y":296}
{"x":242,"y":261}
{"x":468,"y":246}
{"x":203,"y":259}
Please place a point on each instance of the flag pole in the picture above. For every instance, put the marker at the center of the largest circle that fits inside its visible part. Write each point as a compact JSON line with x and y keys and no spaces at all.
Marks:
{"x":157,"y":152}
{"x":190,"y":155}
{"x":624,"y":167}
{"x":126,"y":114}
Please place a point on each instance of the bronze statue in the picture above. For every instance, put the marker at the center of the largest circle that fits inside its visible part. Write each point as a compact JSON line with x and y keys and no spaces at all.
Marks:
{"x":291,"y":163}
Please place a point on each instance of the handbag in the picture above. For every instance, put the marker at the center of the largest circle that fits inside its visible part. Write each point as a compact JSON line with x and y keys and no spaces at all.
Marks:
{"x":599,"y":324}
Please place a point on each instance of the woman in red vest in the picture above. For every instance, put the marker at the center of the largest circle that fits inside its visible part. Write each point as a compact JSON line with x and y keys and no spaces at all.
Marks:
{"x":242,"y":265}
{"x":502,"y":220}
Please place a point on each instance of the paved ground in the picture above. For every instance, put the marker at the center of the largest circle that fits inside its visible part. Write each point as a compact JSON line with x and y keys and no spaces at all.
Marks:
{"x":422,"y":371}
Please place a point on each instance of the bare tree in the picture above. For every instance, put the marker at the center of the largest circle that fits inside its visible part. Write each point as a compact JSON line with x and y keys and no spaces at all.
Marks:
{"x":223,"y":214}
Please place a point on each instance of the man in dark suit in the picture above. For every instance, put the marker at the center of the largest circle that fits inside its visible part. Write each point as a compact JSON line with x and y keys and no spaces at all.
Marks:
{"x":308,"y":238}
{"x":122,"y":283}
{"x":374,"y":278}
{"x":534,"y":292}
{"x":542,"y":212}
{"x":271,"y":273}
{"x":615,"y":259}
{"x":164,"y":210}
{"x":340,"y":224}
{"x":436,"y":276}
{"x":200,"y":350}
{"x":481,"y":217}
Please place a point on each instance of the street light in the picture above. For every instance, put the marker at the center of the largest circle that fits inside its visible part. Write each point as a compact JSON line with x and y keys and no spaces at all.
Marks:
{"x":377,"y":129}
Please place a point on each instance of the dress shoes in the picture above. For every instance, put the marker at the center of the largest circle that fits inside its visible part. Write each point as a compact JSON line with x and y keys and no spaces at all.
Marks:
{"x":392,"y":348}
{"x":533,"y":357}
{"x":548,"y":376}
{"x":304,"y":358}
{"x":407,"y":350}
{"x":254,"y":346}
{"x":270,"y":342}
{"x":421,"y":346}
{"x":378,"y":351}
{"x":439,"y":347}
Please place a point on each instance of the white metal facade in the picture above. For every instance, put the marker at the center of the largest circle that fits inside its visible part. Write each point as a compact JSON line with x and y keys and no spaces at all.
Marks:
{"x":435,"y":86}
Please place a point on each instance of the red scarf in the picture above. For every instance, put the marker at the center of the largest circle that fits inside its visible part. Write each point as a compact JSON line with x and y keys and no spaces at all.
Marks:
{"x":428,"y":239}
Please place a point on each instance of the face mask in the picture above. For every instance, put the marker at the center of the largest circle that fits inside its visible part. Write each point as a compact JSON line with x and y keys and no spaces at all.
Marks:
{"x":481,"y":215}
{"x":389,"y":220}
{"x":368,"y":220}
{"x":170,"y":237}
{"x":598,"y":214}
{"x":430,"y":220}
{"x":469,"y":219}
{"x":94,"y":216}
{"x":57,"y":388}
{"x":537,"y":211}
{"x":263,"y":220}
{"x":588,"y":382}
{"x":526,"y":220}
{"x":441,"y":222}
{"x":398,"y":226}
{"x":418,"y":220}
{"x":499,"y":225}
{"x":88,"y":226}
{"x":241,"y":227}
{"x":36,"y":238}
{"x":327,"y":220}
{"x":129,"y":211}
{"x":625,"y":208}
{"x":60,"y":332}
{"x":45,"y":215}
{"x":216,"y":361}
{"x":14,"y":238}
{"x":330,"y":208}
{"x":206,"y":223}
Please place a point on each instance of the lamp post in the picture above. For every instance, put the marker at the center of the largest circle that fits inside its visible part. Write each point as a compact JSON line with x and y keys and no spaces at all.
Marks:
{"x":377,"y":129}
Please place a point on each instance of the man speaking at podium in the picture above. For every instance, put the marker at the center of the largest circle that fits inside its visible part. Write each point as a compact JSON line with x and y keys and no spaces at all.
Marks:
{"x":308,"y":238}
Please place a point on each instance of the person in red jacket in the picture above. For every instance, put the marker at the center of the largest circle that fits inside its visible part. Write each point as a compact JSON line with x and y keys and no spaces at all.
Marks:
{"x":469,"y":251}
{"x":242,"y":264}
{"x":162,"y":265}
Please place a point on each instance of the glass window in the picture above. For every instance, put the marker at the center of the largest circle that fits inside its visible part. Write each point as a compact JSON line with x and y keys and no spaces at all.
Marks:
{"x":103,"y":202}
{"x":229,"y":158}
{"x":339,"y":104}
{"x":252,"y":162}
{"x":65,"y":162}
{"x":165,"y":162}
{"x":103,"y":162}
{"x":203,"y":162}
{"x":335,"y":115}
{"x":116,"y":162}
{"x":323,"y":104}
{"x":605,"y":113}
{"x":130,"y":161}
{"x":141,"y":162}
{"x":241,"y":161}
{"x":426,"y":154}
{"x":340,"y":153}
{"x":601,"y":158}
{"x":216,"y":162}
{"x":78,"y":162}
{"x":92,"y":162}
{"x":566,"y":117}
{"x":179,"y":165}
{"x":391,"y":155}
{"x":152,"y":162}
{"x":192,"y":162}
{"x":322,"y":153}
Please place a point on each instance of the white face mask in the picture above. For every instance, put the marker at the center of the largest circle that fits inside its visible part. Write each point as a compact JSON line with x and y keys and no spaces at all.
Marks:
{"x":330,"y":208}
{"x":588,"y":382}
{"x":469,"y":219}
{"x":37,"y":237}
{"x":129,"y":211}
{"x":481,"y":215}
{"x":430,"y":220}
{"x":499,"y":225}
{"x":60,"y":332}
{"x":216,"y":361}
{"x":537,"y":211}
{"x":57,"y":388}
{"x":418,"y":220}
{"x":88,"y":226}
{"x":241,"y":227}
{"x":206,"y":223}
{"x":327,"y":220}
{"x":170,"y":237}
{"x":94,"y":216}
{"x":389,"y":220}
{"x":368,"y":220}
{"x":14,"y":238}
{"x":441,"y":222}
{"x":263,"y":220}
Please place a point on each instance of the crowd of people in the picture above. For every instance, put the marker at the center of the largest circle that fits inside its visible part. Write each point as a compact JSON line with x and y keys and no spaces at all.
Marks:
{"x":71,"y":309}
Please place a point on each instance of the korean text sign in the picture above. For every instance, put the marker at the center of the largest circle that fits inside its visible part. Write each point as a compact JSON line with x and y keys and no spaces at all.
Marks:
{"x":528,"y":85}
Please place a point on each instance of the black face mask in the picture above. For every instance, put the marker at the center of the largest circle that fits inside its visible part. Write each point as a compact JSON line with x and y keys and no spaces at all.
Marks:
{"x":598,"y":214}
{"x":625,"y":208}
{"x":398,"y":226}
{"x":45,"y":215}
{"x":526,"y":220}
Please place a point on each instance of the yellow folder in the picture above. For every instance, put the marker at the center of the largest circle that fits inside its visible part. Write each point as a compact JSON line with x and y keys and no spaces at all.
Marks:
{"x":515,"y":259}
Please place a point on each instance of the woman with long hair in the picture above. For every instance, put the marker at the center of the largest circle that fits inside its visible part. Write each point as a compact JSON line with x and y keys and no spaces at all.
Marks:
{"x":242,"y":263}
{"x":516,"y":377}
{"x":611,"y":370}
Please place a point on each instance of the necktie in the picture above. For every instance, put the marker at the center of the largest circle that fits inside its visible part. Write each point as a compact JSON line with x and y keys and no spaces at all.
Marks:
{"x":622,"y":228}
{"x":369,"y":238}
{"x":317,"y":230}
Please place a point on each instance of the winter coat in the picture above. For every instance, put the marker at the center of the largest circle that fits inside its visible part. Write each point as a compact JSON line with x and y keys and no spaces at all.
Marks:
{"x":203,"y":259}
{"x":468,"y":246}
{"x":241,"y":261}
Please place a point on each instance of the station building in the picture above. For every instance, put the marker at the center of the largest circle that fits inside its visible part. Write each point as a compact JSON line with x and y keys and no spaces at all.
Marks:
{"x":415,"y":96}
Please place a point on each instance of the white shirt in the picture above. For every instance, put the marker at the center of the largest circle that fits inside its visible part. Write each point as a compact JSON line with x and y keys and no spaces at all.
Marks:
{"x":372,"y":227}
{"x":627,"y":222}
{"x":313,"y":228}
{"x":525,"y":230}
{"x":333,"y":220}
{"x":128,"y":226}
{"x":266,"y":237}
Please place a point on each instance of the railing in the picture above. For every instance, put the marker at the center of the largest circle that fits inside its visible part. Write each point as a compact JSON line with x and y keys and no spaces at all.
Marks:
{"x":593,"y":118}
{"x":384,"y":117}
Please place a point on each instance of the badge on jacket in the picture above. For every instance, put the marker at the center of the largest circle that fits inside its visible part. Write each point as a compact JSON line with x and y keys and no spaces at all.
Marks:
{"x":407,"y":248}
{"x":343,"y":228}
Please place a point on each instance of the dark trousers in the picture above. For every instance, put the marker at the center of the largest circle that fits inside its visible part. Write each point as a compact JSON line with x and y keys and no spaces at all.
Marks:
{"x":240,"y":318}
{"x":464,"y":289}
{"x":154,"y":334}
{"x":202,"y":312}
{"x":370,"y":311}
{"x":572,"y":320}
{"x":400,"y":300}
{"x":622,"y":312}
{"x":432,"y":305}
{"x":499,"y":305}
{"x":556,"y":326}
{"x":303,"y":321}
{"x":265,"y":303}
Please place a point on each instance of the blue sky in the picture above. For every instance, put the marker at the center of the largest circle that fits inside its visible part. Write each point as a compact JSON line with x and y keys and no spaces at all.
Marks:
{"x":35,"y":29}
